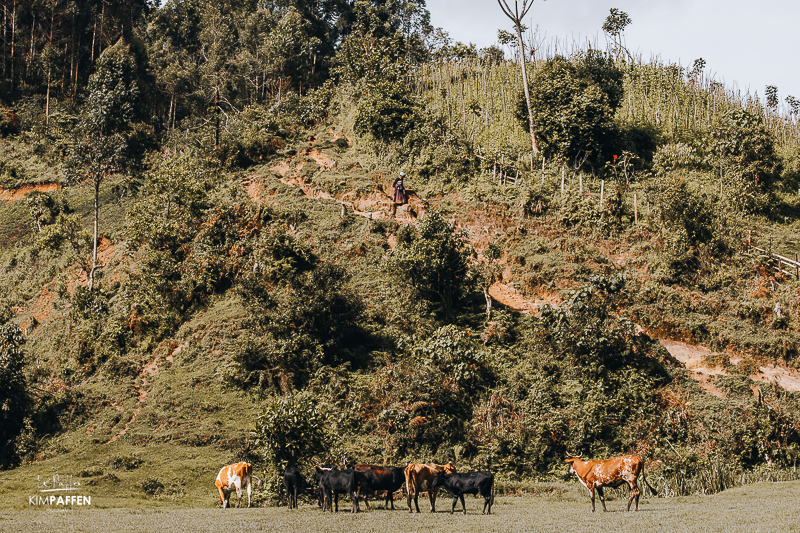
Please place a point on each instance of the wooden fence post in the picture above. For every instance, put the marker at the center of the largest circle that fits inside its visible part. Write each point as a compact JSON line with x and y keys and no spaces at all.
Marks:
{"x":562,"y":181}
{"x":635,"y":211}
{"x":543,"y":171}
{"x":580,"y":182}
{"x":602,"y":187}
{"x":796,"y":270}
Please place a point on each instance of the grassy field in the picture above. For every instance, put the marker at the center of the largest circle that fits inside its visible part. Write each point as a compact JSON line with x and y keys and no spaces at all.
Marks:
{"x":760,"y":507}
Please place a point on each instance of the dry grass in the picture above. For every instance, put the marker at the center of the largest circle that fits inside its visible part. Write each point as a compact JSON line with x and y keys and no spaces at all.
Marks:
{"x":760,"y":507}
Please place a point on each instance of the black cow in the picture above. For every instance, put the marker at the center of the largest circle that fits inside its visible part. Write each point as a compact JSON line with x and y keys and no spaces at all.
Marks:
{"x":293,"y":482}
{"x":335,"y":482}
{"x":468,"y":483}
{"x":317,"y":483}
{"x":370,"y":478}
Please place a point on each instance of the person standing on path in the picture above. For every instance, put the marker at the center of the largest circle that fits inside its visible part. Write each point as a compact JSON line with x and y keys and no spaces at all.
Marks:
{"x":399,"y":197}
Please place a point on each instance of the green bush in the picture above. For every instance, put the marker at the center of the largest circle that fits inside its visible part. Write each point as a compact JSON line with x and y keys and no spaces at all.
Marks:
{"x":291,"y":430}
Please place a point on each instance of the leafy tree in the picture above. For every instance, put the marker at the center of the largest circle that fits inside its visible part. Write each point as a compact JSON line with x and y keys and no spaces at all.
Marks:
{"x":423,"y":399}
{"x":741,"y":142}
{"x":573,"y":104}
{"x":107,"y":142}
{"x":313,"y":321}
{"x":290,"y":430}
{"x":434,"y":265}
{"x":387,"y":111}
{"x":15,"y":401}
{"x":615,"y":24}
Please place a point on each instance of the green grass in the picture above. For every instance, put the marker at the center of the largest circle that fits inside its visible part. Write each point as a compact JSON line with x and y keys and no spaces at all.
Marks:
{"x":760,"y":507}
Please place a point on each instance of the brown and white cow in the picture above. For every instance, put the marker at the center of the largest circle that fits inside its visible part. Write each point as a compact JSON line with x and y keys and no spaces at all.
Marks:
{"x":234,"y":477}
{"x":610,"y":473}
{"x":419,"y":478}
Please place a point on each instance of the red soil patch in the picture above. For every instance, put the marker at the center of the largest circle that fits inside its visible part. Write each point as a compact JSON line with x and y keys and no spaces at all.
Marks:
{"x":509,"y":296}
{"x":14,"y":195}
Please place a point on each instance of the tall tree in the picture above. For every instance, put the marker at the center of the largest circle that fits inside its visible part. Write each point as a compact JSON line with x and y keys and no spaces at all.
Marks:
{"x":516,"y":15}
{"x":105,"y":143}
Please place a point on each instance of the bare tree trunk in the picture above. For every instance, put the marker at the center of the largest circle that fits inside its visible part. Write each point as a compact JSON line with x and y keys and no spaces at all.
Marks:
{"x":216,"y":111}
{"x":534,"y":143}
{"x":30,"y":52}
{"x":13,"y":35}
{"x":5,"y":45}
{"x":94,"y":240}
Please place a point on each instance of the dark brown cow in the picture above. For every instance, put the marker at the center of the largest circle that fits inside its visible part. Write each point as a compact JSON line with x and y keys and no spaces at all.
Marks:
{"x":371,"y":478}
{"x":419,"y":478}
{"x":610,"y":473}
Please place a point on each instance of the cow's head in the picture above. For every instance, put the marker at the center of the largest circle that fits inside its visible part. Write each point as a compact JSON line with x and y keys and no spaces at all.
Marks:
{"x":438,"y":481}
{"x":449,"y":468}
{"x":571,"y":461}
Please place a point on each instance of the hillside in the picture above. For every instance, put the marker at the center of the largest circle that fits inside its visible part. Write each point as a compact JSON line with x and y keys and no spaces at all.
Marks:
{"x":227,"y":277}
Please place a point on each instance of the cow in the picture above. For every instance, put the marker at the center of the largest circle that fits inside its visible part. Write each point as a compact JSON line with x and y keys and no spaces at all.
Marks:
{"x":335,"y":482}
{"x":470,"y":483}
{"x":234,"y":477}
{"x":293,"y":482}
{"x":317,"y":488}
{"x":610,"y":473}
{"x":371,"y":478}
{"x":419,"y":477}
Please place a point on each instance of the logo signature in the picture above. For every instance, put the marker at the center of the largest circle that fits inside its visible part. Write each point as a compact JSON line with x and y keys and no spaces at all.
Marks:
{"x":55,"y":485}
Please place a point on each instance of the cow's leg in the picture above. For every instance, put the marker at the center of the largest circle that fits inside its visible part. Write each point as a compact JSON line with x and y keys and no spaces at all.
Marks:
{"x":453,"y":507}
{"x":336,"y":501}
{"x":249,"y":492}
{"x":602,"y":497}
{"x":591,"y":494}
{"x":635,"y":492}
{"x":463,"y":504}
{"x":432,"y":494}
{"x":221,"y":496}
{"x":487,"y":500}
{"x":416,"y":499}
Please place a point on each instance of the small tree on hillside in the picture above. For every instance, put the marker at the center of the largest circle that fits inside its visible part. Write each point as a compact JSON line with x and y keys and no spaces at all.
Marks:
{"x":14,"y":398}
{"x":615,"y":24}
{"x":105,"y":142}
{"x":290,"y":430}
{"x":573,"y":104}
{"x":516,"y":15}
{"x":434,"y":266}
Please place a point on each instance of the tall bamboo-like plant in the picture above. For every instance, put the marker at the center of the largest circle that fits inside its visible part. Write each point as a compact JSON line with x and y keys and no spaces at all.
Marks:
{"x":516,"y":15}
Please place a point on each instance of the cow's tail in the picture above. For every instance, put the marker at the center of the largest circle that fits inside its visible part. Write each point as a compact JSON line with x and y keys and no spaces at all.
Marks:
{"x":653,"y":492}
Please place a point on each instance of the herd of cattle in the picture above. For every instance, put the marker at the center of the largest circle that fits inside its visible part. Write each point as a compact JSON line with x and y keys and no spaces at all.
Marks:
{"x":362,"y":480}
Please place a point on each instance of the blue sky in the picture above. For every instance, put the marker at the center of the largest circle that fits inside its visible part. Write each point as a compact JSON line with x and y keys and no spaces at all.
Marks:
{"x":747,"y":45}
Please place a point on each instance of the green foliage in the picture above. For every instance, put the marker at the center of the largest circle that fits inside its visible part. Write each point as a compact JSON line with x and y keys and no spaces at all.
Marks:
{"x":423,"y":399}
{"x":742,"y":143}
{"x":15,"y":400}
{"x":573,"y":104}
{"x":291,"y":430}
{"x":387,"y":111}
{"x":434,"y":265}
{"x":310,"y":322}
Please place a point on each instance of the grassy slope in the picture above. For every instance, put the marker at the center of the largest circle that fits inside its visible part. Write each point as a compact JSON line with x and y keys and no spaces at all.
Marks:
{"x":188,"y":424}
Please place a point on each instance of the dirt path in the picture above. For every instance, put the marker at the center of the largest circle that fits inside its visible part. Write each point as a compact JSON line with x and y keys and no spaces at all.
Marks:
{"x":14,"y":195}
{"x":377,"y":205}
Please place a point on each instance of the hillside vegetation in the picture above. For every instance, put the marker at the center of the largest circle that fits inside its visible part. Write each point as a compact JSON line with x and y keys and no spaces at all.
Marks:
{"x":202,"y":263}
